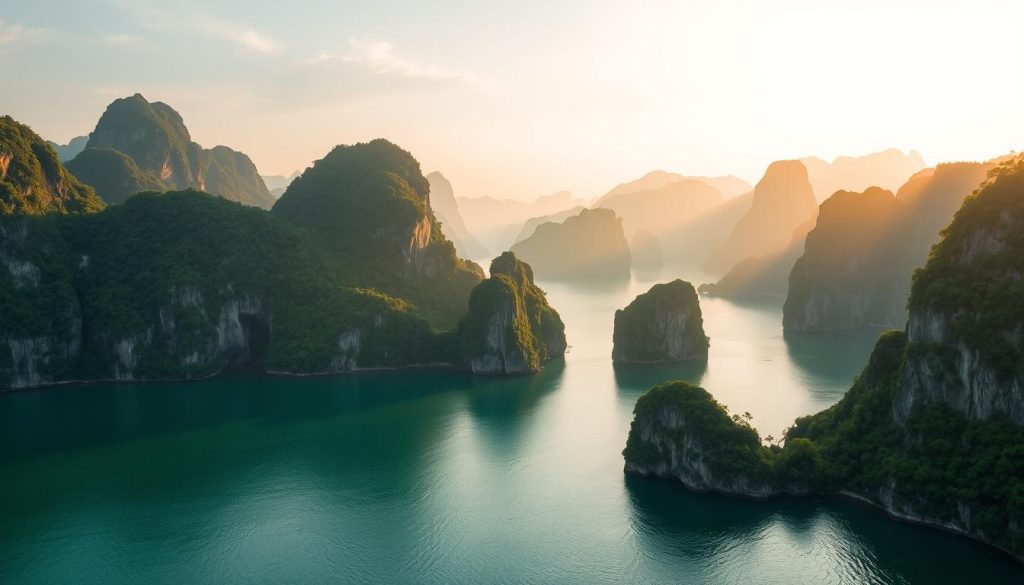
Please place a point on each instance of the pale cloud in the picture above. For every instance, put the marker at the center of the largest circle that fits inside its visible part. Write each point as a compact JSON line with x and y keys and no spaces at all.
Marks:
{"x":380,"y":58}
{"x":14,"y":33}
{"x":235,"y":32}
{"x":122,"y":40}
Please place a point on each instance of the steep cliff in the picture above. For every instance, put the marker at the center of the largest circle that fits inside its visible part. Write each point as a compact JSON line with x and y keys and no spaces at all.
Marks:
{"x":446,"y":209}
{"x":588,"y":246}
{"x":368,"y":204}
{"x":32,"y":178}
{"x":857,"y":263}
{"x":783,"y":203}
{"x":509,"y":328}
{"x":154,"y":136}
{"x":842,"y":280}
{"x":932,"y":430}
{"x":663,"y":324}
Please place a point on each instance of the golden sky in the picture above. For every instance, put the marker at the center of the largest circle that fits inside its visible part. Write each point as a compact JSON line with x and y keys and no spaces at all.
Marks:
{"x":523,"y":99}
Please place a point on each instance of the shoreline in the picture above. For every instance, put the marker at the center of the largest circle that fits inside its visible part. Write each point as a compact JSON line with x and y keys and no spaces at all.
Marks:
{"x":428,"y":367}
{"x":845,"y":495}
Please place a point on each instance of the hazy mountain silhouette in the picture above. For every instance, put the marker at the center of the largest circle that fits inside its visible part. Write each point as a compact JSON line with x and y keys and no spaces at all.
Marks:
{"x":662,"y":208}
{"x":729,"y":186}
{"x":497,"y":222}
{"x":446,"y":208}
{"x":66,"y":152}
{"x":588,"y":246}
{"x":531,"y":224}
{"x":783,"y":203}
{"x":887,"y":169}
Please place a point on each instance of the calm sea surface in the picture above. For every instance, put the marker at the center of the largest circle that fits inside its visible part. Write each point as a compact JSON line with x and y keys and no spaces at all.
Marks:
{"x":438,"y":477}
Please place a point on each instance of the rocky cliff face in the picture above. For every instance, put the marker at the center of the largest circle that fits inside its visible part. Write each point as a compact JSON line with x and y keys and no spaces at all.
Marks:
{"x":662,"y":325}
{"x":510,"y":328}
{"x":783,"y":204}
{"x":589,"y":246}
{"x":680,"y":432}
{"x":154,"y":289}
{"x":856,"y":267}
{"x":842,"y":281}
{"x":966,"y":327}
{"x":932,"y":429}
{"x":32,"y":178}
{"x":154,"y":137}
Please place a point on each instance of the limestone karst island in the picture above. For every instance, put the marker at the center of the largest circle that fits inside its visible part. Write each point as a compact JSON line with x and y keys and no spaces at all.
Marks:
{"x":451,"y":293}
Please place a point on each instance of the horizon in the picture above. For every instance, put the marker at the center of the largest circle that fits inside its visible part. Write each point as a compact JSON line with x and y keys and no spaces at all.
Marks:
{"x":601,"y":94}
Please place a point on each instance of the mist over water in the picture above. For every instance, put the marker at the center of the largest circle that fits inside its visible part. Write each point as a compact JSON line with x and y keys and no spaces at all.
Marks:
{"x":437,"y":477}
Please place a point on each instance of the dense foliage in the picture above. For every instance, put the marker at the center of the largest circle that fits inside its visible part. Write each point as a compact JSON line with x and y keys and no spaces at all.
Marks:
{"x":113,"y":174}
{"x":974,"y":273}
{"x":367,"y":205}
{"x":162,"y":273}
{"x":32,"y":178}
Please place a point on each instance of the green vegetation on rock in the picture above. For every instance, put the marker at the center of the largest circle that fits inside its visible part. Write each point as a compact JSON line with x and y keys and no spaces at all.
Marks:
{"x":662,"y":325}
{"x":367,"y":205}
{"x":510,"y":328}
{"x":32,"y":178}
{"x":933,"y":428}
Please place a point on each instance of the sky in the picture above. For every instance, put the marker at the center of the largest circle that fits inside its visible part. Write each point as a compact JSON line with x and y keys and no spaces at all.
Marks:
{"x":520,"y":99}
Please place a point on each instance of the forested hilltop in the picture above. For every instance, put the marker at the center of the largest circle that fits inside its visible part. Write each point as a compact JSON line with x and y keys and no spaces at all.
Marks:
{"x":931,"y":430}
{"x":349,"y":271}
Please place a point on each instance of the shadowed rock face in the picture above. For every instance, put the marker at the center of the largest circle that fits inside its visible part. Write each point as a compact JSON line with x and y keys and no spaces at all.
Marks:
{"x":510,"y":328}
{"x":783,"y":205}
{"x":589,"y":246}
{"x":842,"y":281}
{"x":857,"y":262}
{"x":662,"y":325}
{"x":154,"y":137}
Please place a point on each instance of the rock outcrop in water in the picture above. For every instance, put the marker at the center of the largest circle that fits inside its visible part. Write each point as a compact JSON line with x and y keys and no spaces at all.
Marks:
{"x":857,"y":262}
{"x":783,"y":209}
{"x":32,"y":178}
{"x":588,"y":246}
{"x":932,"y":430}
{"x":154,"y":137}
{"x":510,"y":328}
{"x":663,"y":324}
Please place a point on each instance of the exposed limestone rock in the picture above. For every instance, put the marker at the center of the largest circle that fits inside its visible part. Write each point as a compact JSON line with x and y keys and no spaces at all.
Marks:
{"x":662,"y":325}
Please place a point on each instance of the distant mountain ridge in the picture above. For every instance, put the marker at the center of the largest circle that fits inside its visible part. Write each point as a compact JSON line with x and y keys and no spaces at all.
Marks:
{"x":155,"y":138}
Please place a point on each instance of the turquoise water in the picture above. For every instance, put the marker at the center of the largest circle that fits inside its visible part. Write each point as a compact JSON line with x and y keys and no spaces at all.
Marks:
{"x":439,"y":477}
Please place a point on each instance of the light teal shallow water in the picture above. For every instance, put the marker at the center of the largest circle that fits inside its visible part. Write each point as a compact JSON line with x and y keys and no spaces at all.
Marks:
{"x":439,"y":477}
